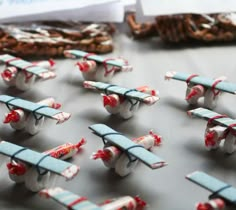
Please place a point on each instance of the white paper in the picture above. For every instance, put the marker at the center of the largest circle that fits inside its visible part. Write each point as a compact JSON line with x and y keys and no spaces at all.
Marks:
{"x":109,"y":12}
{"x":151,"y":8}
{"x":140,"y":17}
{"x":101,"y":10}
{"x":12,"y":8}
{"x":129,"y":5}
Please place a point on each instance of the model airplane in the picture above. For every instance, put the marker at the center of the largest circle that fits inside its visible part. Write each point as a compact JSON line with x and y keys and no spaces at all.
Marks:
{"x":219,"y":127}
{"x":198,"y":87}
{"x":110,"y":154}
{"x":126,"y":153}
{"x":33,"y":168}
{"x":222,"y":193}
{"x":30,"y":115}
{"x":123,"y":101}
{"x":75,"y":202}
{"x":97,"y":68}
{"x":22,"y":74}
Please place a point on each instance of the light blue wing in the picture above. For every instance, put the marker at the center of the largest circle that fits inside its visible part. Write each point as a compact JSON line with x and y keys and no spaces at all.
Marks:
{"x":23,"y":65}
{"x":39,"y":160}
{"x":69,"y":199}
{"x":223,"y":86}
{"x":127,"y":145}
{"x":129,"y":93}
{"x":208,"y":114}
{"x":96,"y":58}
{"x":33,"y":107}
{"x":217,"y":187}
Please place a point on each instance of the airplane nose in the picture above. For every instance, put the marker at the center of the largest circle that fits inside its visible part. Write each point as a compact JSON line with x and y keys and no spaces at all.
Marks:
{"x":192,"y":93}
{"x":13,"y":116}
{"x":6,"y":74}
{"x":83,"y":66}
{"x":51,"y":62}
{"x":109,"y":101}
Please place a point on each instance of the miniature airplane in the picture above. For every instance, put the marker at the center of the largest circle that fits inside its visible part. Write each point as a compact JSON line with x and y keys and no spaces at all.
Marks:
{"x":126,"y":153}
{"x":198,"y":86}
{"x":22,"y":74}
{"x":30,"y":115}
{"x":123,"y":101}
{"x":219,"y":127}
{"x":17,"y":170}
{"x":97,"y":68}
{"x":110,"y":154}
{"x":32,"y":167}
{"x":222,"y":193}
{"x":75,"y":202}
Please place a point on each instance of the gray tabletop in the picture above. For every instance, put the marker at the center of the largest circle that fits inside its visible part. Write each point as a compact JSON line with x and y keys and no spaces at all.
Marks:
{"x":183,"y":144}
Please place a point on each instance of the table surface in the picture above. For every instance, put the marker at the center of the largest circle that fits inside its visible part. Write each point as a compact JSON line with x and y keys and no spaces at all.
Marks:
{"x":183,"y":144}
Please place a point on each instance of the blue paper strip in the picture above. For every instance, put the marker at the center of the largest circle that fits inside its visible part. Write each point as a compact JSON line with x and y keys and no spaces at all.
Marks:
{"x":66,"y":198}
{"x":208,"y":114}
{"x":223,"y":86}
{"x":129,"y":93}
{"x":214,"y":185}
{"x":97,"y":58}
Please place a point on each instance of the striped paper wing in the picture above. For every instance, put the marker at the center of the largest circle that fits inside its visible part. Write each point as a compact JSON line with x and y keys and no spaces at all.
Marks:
{"x":69,"y":199}
{"x":223,"y":86}
{"x":208,"y":114}
{"x":25,"y":65}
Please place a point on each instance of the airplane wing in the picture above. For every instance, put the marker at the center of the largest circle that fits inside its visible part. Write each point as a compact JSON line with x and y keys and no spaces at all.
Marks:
{"x":129,"y":93}
{"x":27,"y":66}
{"x":97,"y":58}
{"x":39,"y":160}
{"x":214,"y":185}
{"x":35,"y":108}
{"x":127,"y":145}
{"x":69,"y":199}
{"x":208,"y":114}
{"x":223,"y":86}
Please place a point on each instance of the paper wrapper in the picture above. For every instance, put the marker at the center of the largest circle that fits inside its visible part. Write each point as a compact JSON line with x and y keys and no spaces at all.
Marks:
{"x":200,"y":27}
{"x":50,"y":39}
{"x":140,"y":30}
{"x":191,"y":27}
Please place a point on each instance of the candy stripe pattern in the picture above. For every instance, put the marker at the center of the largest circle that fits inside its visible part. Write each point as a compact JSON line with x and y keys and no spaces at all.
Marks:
{"x":27,"y":66}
